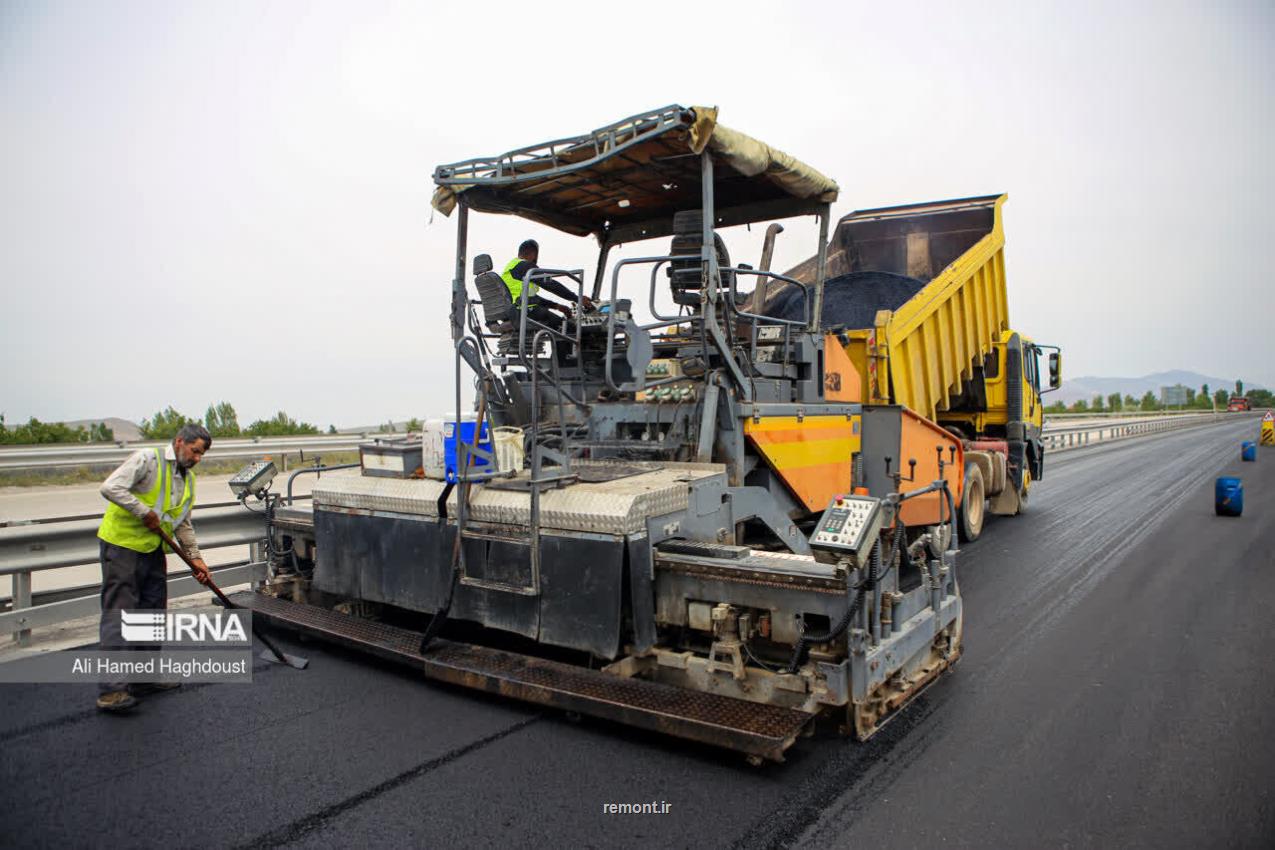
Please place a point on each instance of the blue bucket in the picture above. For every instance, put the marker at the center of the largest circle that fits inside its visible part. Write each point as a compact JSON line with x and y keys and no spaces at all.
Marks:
{"x":1248,"y":450}
{"x":1229,"y":496}
{"x":451,"y":453}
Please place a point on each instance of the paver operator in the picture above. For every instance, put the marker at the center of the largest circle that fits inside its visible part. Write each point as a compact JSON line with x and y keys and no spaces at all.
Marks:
{"x":515,"y":273}
{"x":153,"y":489}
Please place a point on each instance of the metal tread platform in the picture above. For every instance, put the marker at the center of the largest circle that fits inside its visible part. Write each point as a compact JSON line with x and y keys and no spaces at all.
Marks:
{"x":764,"y":731}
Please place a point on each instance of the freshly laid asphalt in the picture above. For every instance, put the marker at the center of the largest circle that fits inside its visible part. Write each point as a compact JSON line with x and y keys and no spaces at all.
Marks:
{"x":1117,"y":689}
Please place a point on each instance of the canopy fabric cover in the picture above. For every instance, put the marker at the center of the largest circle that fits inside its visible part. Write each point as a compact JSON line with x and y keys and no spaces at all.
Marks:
{"x":633,"y":175}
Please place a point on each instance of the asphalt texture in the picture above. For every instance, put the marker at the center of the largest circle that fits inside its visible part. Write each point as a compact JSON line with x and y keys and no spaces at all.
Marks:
{"x":850,"y":300}
{"x":1116,"y":689}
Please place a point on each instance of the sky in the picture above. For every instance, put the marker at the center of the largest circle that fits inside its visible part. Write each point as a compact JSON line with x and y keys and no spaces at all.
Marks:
{"x":230,"y":201}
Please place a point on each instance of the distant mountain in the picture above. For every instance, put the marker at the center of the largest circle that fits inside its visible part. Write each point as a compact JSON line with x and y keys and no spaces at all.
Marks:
{"x":1089,"y":386}
{"x":124,"y":430}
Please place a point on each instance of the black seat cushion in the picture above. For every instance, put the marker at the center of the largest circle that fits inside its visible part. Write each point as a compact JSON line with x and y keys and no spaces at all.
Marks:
{"x":686,"y":276}
{"x":498,"y":306}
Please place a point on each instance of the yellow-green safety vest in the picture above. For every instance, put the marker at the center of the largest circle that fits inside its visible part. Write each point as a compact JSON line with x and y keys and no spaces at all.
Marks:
{"x":120,"y":527}
{"x":515,"y":285}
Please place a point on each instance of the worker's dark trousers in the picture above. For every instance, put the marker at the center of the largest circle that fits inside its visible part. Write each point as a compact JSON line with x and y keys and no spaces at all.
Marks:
{"x":132,"y":580}
{"x":542,"y":314}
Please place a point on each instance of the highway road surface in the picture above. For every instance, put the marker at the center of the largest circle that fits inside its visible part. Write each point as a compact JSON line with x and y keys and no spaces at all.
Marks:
{"x":1117,"y":690}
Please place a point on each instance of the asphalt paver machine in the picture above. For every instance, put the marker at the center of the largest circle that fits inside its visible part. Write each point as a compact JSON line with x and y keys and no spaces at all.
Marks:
{"x":704,"y":529}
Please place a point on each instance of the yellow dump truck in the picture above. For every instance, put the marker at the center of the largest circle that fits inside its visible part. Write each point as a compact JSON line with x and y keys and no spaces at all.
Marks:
{"x":947,"y":352}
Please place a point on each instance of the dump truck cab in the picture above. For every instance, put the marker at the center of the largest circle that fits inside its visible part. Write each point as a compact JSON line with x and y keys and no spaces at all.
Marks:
{"x":1005,"y":388}
{"x":983,"y":407}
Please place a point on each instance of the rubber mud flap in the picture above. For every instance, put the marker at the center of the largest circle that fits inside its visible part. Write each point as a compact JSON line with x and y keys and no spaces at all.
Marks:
{"x":641,"y":592}
{"x":581,"y":583}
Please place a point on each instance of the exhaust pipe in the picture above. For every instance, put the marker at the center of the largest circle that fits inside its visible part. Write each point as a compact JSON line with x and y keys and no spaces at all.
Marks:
{"x":757,"y":301}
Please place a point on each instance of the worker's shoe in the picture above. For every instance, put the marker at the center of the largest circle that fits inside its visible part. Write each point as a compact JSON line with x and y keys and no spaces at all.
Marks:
{"x":142,"y":689}
{"x":116,"y":701}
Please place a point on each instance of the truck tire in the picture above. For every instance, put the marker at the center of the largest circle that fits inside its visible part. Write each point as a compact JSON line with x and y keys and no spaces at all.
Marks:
{"x":1024,"y":490}
{"x":973,"y":507}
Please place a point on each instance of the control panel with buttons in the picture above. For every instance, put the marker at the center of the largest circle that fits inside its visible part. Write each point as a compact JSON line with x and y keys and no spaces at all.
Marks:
{"x":253,"y":478}
{"x":849,"y":526}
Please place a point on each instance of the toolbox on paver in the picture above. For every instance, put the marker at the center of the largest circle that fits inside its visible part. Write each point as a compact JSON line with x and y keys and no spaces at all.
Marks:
{"x":395,"y":457}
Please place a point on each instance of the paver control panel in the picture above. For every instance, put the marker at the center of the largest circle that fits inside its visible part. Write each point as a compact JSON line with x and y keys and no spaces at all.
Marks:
{"x":253,"y":478}
{"x":849,"y":525}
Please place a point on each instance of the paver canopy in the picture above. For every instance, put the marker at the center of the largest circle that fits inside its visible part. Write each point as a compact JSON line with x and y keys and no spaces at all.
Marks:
{"x":628,"y":178}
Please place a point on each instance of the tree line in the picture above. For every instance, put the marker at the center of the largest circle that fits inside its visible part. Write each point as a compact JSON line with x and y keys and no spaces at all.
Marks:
{"x":1203,"y":399}
{"x":35,"y":432}
{"x":221,"y":420}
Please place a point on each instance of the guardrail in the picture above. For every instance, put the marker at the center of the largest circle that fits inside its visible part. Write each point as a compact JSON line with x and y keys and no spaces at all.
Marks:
{"x":71,"y":542}
{"x":1058,"y":422}
{"x":1129,"y":414}
{"x":1105,"y":432}
{"x":43,"y":457}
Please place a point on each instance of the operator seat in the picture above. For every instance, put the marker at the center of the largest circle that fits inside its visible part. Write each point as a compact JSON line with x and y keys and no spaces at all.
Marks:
{"x":686,"y":276}
{"x":500,"y":314}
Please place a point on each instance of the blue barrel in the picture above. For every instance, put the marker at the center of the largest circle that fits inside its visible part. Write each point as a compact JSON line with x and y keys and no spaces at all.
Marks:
{"x":1248,"y":450}
{"x":1229,"y":496}
{"x":451,"y":452}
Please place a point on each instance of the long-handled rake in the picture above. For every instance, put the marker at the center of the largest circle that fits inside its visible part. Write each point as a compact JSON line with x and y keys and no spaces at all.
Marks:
{"x":271,"y":653}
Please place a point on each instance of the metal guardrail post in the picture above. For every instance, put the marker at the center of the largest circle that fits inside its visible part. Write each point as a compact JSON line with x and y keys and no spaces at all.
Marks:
{"x":22,"y":599}
{"x":258,"y":552}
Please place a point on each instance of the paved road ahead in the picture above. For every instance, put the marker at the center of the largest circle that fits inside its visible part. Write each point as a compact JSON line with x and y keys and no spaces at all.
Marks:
{"x":1116,"y":690}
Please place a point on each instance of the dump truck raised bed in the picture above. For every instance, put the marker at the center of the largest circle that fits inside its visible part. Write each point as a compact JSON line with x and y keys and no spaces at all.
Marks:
{"x":916,"y":297}
{"x":717,"y":520}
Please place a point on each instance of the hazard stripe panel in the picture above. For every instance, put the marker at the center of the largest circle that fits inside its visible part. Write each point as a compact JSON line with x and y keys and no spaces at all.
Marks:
{"x":811,"y":454}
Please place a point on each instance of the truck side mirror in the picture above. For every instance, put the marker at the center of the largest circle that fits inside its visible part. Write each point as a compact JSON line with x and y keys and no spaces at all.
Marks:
{"x":1055,"y":370}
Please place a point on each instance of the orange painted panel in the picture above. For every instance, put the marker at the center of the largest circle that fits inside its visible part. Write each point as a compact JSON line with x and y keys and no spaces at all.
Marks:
{"x":841,"y":380}
{"x":811,"y":455}
{"x":918,"y":439}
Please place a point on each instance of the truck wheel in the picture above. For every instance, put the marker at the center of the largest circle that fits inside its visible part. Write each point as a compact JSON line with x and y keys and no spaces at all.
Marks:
{"x":973,"y":507}
{"x":1025,"y":489}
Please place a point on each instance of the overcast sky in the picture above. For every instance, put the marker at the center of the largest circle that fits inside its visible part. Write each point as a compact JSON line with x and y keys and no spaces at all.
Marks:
{"x":207,"y":201}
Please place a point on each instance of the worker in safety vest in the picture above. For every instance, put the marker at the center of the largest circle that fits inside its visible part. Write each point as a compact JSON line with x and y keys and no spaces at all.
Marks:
{"x":154,"y":489}
{"x":515,"y":274}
